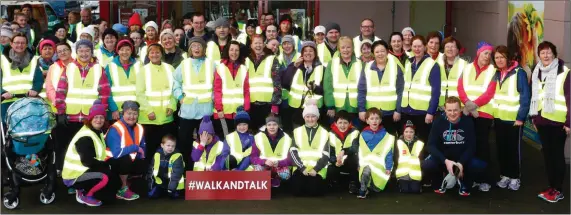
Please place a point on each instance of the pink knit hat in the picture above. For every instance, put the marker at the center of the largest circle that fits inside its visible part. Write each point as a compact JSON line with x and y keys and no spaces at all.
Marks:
{"x":124,"y":42}
{"x":96,"y":109}
{"x":47,"y":42}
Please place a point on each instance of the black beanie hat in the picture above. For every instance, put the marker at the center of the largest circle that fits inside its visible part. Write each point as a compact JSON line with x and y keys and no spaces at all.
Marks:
{"x":110,"y":31}
{"x":332,"y":25}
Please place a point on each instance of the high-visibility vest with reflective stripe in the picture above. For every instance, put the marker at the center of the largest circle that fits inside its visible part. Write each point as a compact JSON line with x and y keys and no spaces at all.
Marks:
{"x":279,"y":153}
{"x":73,"y":52}
{"x":475,"y":87}
{"x":506,"y":99}
{"x":259,"y":30}
{"x":213,"y":51}
{"x":102,"y":59}
{"x":232,"y":88}
{"x":158,"y":90}
{"x":382,"y":93}
{"x":560,"y":113}
{"x":336,"y":142}
{"x":17,"y":82}
{"x":344,"y":86}
{"x":205,"y":162}
{"x":260,"y":80}
{"x":235,"y":145}
{"x":78,"y":28}
{"x":72,"y":166}
{"x":310,"y":153}
{"x":197,"y":85}
{"x":81,"y":93}
{"x":142,"y":53}
{"x":409,"y":53}
{"x":449,"y":83}
{"x":409,"y":163}
{"x":299,"y":88}
{"x":357,"y":45}
{"x":55,"y":72}
{"x":281,"y":61}
{"x":375,"y":159}
{"x":325,"y":55}
{"x":242,"y":38}
{"x":123,"y":88}
{"x":417,"y":90}
{"x":126,"y":139}
{"x":157,"y":166}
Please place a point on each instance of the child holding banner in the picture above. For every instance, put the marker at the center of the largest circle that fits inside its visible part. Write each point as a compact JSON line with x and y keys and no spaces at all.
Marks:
{"x":240,"y":142}
{"x":209,"y":154}
{"x":166,"y":172}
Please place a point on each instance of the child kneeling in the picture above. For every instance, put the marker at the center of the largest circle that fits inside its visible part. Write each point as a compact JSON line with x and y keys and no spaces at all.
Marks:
{"x":408,"y":171}
{"x":166,"y":172}
{"x":240,"y":143}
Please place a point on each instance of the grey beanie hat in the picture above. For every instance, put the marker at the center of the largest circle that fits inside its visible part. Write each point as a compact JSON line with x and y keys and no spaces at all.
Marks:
{"x":197,"y":40}
{"x":6,"y":31}
{"x":308,"y":43}
{"x":83,"y":43}
{"x":221,"y":22}
{"x":288,"y":38}
{"x":132,"y":105}
{"x":272,"y":118}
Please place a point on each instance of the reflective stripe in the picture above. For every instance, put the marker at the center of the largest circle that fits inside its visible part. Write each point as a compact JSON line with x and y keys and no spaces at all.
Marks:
{"x":345,"y":85}
{"x":417,"y":90}
{"x":197,"y":85}
{"x":232,"y":89}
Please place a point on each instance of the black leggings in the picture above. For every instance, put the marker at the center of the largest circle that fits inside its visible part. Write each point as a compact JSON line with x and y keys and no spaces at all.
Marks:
{"x":63,"y":135}
{"x":154,"y":134}
{"x":258,"y":114}
{"x":508,"y":143}
{"x":186,"y":130}
{"x":125,"y":166}
{"x":553,"y":148}
{"x":483,"y":127}
{"x":307,"y":185}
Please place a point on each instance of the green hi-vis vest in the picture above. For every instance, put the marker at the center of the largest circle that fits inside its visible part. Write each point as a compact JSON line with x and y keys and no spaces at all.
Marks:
{"x":17,"y":82}
{"x":232,"y":89}
{"x":560,"y":113}
{"x":357,"y":45}
{"x":156,"y":167}
{"x":345,"y":87}
{"x":325,"y":55}
{"x":417,"y":89}
{"x":72,"y":166}
{"x":475,"y":87}
{"x":213,"y":51}
{"x":281,"y":150}
{"x":235,"y":145}
{"x":123,"y":88}
{"x":310,"y":153}
{"x":81,"y":93}
{"x":299,"y":88}
{"x":409,"y":163}
{"x":336,"y":142}
{"x":449,"y":84}
{"x":197,"y":85}
{"x":102,"y":59}
{"x":158,"y":91}
{"x":375,"y":159}
{"x":506,"y":99}
{"x":205,"y":162}
{"x":261,"y":83}
{"x":382,"y":94}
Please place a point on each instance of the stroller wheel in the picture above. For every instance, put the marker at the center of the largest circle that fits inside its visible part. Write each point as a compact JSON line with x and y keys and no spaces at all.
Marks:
{"x":11,"y":205}
{"x":45,"y":200}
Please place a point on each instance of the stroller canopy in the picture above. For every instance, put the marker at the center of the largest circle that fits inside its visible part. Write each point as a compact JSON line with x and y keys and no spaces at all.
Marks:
{"x":29,"y":116}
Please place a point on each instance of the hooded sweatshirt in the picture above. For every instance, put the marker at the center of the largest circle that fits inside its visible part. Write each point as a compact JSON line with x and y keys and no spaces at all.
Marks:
{"x":219,"y":163}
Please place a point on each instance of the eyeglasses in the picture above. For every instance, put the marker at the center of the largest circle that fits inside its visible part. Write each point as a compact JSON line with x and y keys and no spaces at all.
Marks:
{"x":195,"y":46}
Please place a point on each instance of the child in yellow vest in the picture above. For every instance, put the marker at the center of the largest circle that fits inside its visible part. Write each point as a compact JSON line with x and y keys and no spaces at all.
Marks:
{"x":408,"y":148}
{"x":240,"y":142}
{"x":166,"y":172}
{"x":208,"y":152}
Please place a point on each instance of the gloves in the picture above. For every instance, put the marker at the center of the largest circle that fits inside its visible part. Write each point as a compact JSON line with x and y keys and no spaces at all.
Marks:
{"x":61,"y":119}
{"x":471,"y":106}
{"x":475,"y":113}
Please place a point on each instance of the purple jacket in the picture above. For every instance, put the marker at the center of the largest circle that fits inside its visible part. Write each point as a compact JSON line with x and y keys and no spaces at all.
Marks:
{"x":255,"y":156}
{"x":247,"y":141}
{"x":219,"y":163}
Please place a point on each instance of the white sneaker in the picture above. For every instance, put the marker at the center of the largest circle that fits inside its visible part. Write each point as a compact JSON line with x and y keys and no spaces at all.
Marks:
{"x":514,"y":184}
{"x":504,"y":181}
{"x":484,"y":187}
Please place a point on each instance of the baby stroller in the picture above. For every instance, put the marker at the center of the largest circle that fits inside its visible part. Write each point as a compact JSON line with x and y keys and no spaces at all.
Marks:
{"x":27,"y":155}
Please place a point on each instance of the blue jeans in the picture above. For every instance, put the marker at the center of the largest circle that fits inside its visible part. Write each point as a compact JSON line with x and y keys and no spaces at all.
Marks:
{"x":435,"y":171}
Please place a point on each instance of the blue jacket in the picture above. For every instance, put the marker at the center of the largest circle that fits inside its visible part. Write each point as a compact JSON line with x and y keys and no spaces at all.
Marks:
{"x":112,"y":105}
{"x":177,"y":168}
{"x":247,"y":141}
{"x":524,"y":90}
{"x":372,"y":139}
{"x":434,"y":80}
{"x":113,"y":141}
{"x":362,"y":93}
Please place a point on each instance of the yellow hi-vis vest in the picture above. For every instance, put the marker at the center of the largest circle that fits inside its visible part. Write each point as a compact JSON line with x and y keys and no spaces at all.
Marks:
{"x":78,"y":28}
{"x":417,"y":89}
{"x":325,"y":55}
{"x":409,"y":163}
{"x":72,"y":166}
{"x":73,"y":53}
{"x":506,"y":99}
{"x":213,"y":51}
{"x":261,"y":83}
{"x":345,"y":87}
{"x":235,"y":145}
{"x":142,"y":53}
{"x":232,"y":89}
{"x":382,"y":93}
{"x":357,"y":45}
{"x":281,"y":150}
{"x":375,"y":159}
{"x":259,"y":30}
{"x":123,"y":88}
{"x":197,"y":85}
{"x":205,"y":162}
{"x":156,"y":167}
{"x":17,"y":82}
{"x":475,"y":87}
{"x":298,"y":88}
{"x":560,"y":113}
{"x":336,"y":142}
{"x":449,"y":84}
{"x":281,"y":61}
{"x":158,"y":91}
{"x":55,"y":73}
{"x":81,"y":93}
{"x":310,"y":153}
{"x":242,"y":38}
{"x":102,"y":59}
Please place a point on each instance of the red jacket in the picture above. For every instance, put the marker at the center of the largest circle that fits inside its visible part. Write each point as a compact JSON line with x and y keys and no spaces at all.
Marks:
{"x":218,"y":106}
{"x":482,"y":99}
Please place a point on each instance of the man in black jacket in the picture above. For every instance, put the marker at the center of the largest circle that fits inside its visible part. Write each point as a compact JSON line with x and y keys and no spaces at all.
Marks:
{"x":452,"y":142}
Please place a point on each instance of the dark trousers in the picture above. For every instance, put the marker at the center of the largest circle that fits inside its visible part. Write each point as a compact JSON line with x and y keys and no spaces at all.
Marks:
{"x":422,"y":129}
{"x":350,"y":167}
{"x":508,"y":143}
{"x":483,"y":127}
{"x":258,"y":114}
{"x":231,"y":128}
{"x":391,"y":126}
{"x":435,"y":170}
{"x":64,"y":134}
{"x":553,"y":148}
{"x":409,"y":186}
{"x":125,"y":166}
{"x":154,"y":135}
{"x":307,"y":185}
{"x":186,"y":131}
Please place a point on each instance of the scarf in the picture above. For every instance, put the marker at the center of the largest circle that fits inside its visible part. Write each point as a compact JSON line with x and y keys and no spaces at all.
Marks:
{"x":19,"y":61}
{"x":549,"y":77}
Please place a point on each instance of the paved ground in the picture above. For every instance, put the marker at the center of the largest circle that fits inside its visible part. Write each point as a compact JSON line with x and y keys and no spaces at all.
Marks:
{"x":496,"y":201}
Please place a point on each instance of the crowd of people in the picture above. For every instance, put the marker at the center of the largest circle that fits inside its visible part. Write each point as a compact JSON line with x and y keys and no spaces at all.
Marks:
{"x":151,"y":102}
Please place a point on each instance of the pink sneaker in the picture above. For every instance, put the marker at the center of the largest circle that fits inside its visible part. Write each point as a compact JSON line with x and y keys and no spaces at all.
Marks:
{"x":87,"y":200}
{"x":126,"y":194}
